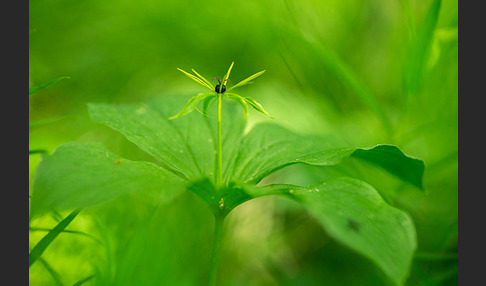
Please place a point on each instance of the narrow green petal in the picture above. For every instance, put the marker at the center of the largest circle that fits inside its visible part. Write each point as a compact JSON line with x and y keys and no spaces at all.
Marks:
{"x":255,"y":104}
{"x":247,"y":80}
{"x":205,"y":80}
{"x":191,"y":105}
{"x":241,"y":101}
{"x":207,"y":103}
{"x":196,"y":79}
{"x":228,"y":73}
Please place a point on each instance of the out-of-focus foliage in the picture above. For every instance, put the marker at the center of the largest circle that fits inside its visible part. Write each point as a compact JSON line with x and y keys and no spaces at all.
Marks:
{"x":363,"y":72}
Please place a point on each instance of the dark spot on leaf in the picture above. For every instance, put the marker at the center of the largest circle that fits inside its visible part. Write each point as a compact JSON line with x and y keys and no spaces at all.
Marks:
{"x":354,"y":225}
{"x":118,"y":161}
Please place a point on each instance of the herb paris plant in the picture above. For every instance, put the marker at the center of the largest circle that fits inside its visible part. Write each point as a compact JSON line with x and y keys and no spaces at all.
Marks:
{"x":189,"y":152}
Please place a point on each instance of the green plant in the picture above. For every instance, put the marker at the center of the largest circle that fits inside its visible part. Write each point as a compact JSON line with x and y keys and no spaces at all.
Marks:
{"x":224,"y":166}
{"x":35,"y":254}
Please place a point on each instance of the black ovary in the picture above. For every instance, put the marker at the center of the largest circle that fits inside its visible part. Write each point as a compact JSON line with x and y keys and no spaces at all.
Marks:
{"x":223,"y":89}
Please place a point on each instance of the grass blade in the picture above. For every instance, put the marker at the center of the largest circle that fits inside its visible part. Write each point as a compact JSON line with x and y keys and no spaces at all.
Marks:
{"x":68,"y":231}
{"x":46,"y":240}
{"x":44,"y":85}
{"x":54,"y":274}
{"x":247,"y":80}
{"x":37,"y":151}
{"x":46,"y":121}
{"x":82,"y":281}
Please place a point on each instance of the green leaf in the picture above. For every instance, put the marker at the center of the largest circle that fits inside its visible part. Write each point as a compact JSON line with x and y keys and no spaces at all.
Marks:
{"x":353,"y":213}
{"x":186,"y":145}
{"x":152,"y":131}
{"x":269,"y":147}
{"x":220,"y":200}
{"x":395,"y":162}
{"x":44,"y":85}
{"x":247,"y":80}
{"x":81,"y":175}
{"x":41,"y":246}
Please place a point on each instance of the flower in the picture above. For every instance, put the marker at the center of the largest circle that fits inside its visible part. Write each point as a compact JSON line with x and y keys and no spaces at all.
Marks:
{"x":221,"y":89}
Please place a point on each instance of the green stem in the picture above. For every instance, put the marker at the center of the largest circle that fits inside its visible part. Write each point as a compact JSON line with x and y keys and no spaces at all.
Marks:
{"x":218,"y":235}
{"x":219,"y":164}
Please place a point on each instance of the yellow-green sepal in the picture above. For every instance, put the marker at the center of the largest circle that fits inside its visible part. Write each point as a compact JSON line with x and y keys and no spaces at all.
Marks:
{"x":191,"y":104}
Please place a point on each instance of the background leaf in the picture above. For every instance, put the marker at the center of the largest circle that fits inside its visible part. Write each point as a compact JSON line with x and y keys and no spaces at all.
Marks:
{"x":151,"y":130}
{"x":82,"y":175}
{"x":353,"y":213}
{"x":269,"y":147}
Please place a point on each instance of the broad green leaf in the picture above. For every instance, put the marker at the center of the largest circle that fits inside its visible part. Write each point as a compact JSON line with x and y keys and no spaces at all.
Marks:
{"x":41,"y":246}
{"x":186,"y":145}
{"x":269,"y":147}
{"x":247,"y":80}
{"x":194,"y":134}
{"x":81,"y":175}
{"x":353,"y":213}
{"x":395,"y":162}
{"x":220,"y":200}
{"x":153,"y":132}
{"x":44,"y":85}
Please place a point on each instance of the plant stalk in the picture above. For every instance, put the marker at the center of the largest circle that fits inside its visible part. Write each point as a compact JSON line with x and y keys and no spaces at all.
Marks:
{"x":218,"y":235}
{"x":219,"y":163}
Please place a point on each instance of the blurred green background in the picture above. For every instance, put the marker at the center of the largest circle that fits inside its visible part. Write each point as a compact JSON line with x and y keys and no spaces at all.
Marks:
{"x":365,"y":72}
